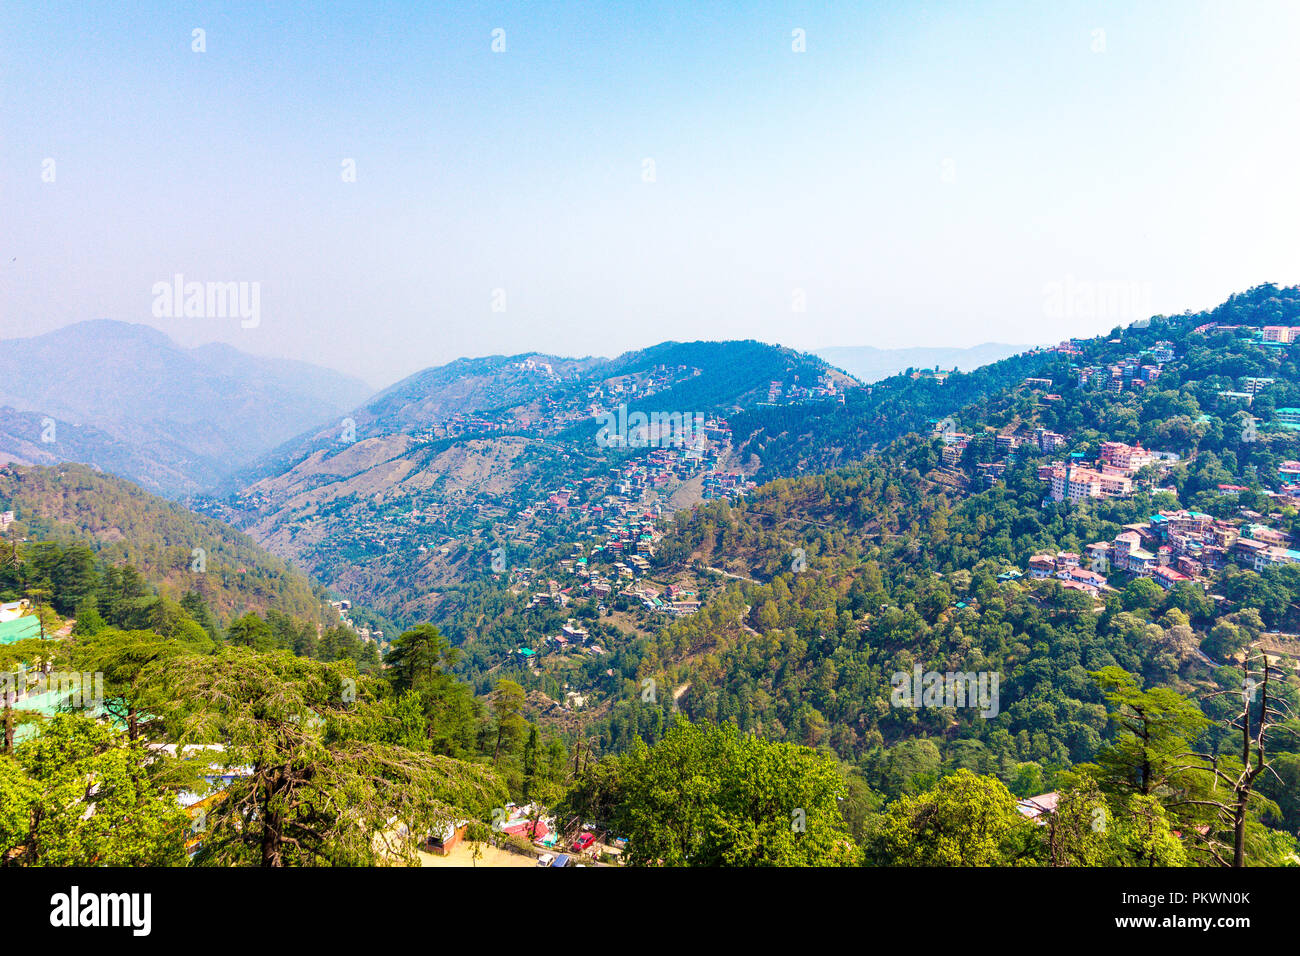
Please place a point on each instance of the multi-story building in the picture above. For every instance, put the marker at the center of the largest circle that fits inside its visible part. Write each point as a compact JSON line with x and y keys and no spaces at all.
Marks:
{"x":953,"y":451}
{"x":1048,"y":441}
{"x":1244,"y":398}
{"x":1129,"y":555}
{"x":1168,"y":578}
{"x":1273,"y":555}
{"x":1126,"y":458}
{"x":1254,"y":385}
{"x":1074,"y":483}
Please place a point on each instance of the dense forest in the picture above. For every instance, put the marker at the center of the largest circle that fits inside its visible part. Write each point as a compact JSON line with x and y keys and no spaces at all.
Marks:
{"x":177,"y":549}
{"x":900,"y":570}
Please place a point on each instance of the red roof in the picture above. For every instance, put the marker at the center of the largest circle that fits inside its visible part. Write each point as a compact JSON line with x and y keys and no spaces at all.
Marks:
{"x":526,"y":828}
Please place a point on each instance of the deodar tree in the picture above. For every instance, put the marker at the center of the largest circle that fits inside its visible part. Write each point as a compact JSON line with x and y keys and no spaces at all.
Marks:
{"x":313,"y":780}
{"x":1263,"y":708}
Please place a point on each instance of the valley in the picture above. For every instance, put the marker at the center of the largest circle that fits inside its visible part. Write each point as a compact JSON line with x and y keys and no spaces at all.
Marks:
{"x":735,"y":535}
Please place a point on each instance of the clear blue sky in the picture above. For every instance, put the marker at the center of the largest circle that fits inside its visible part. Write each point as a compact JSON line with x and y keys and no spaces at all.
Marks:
{"x":923,"y":172}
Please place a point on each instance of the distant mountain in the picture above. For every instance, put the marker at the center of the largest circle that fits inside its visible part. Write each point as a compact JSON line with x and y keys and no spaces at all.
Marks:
{"x":126,"y":398}
{"x":356,"y":501}
{"x":870,"y":364}
{"x":537,"y":394}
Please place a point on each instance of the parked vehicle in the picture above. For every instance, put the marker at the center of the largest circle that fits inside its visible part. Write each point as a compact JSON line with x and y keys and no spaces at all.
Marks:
{"x":584,"y":841}
{"x":545,"y":859}
{"x":561,"y":860}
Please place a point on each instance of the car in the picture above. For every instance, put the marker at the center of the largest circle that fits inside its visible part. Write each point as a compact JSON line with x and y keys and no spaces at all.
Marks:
{"x":584,"y":841}
{"x":545,"y":859}
{"x":561,"y":860}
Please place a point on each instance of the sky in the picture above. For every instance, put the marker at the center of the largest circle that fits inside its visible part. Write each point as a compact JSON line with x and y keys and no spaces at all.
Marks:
{"x":617,"y":174}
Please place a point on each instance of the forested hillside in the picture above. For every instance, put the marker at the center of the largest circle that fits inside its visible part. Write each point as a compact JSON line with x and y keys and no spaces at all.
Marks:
{"x":1052,"y":591}
{"x":173,"y":547}
{"x":386,"y":505}
{"x":918,"y":557}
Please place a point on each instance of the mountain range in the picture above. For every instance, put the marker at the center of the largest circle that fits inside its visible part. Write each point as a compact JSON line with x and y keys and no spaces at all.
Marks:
{"x":822,"y":539}
{"x":320,"y":470}
{"x":446,"y":452}
{"x":126,"y":398}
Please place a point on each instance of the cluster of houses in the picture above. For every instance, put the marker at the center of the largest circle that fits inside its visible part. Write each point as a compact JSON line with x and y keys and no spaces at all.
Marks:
{"x":1006,"y":444}
{"x":533,"y":364}
{"x":659,"y":468}
{"x":617,"y":564}
{"x":1071,"y":348}
{"x":573,"y":636}
{"x":726,"y":484}
{"x":1172,"y":548}
{"x":343,"y":608}
{"x":1111,"y":476}
{"x":559,"y":843}
{"x":1130,"y":372}
{"x":640,"y":384}
{"x":459,"y":424}
{"x":632,"y":533}
{"x":1190,"y":545}
{"x":549,"y":414}
{"x":1269,"y":334}
{"x":779,"y":393}
{"x":936,"y":374}
{"x":1064,"y":567}
{"x":663,"y":468}
{"x":676,"y":599}
{"x":552,"y":594}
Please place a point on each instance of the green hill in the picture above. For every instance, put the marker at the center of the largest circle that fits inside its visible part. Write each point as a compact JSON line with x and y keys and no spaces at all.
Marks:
{"x":166,"y":542}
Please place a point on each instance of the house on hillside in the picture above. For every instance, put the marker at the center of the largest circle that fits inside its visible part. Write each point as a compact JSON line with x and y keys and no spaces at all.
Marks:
{"x":1036,"y":808}
{"x":444,"y":841}
{"x":13,"y":610}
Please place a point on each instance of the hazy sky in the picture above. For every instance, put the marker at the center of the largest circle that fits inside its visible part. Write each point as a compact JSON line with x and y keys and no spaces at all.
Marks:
{"x":920,"y":175}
